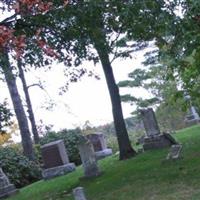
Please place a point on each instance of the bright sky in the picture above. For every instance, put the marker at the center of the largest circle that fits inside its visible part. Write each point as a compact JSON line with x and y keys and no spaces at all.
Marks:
{"x":87,"y":99}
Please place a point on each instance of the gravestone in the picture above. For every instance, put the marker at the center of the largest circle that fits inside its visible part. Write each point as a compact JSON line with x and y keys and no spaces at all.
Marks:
{"x":55,"y":158}
{"x":88,"y":158}
{"x":175,"y":152}
{"x":99,"y":144}
{"x":79,"y":193}
{"x":192,"y":117}
{"x":150,"y":122}
{"x":154,"y":139}
{"x":6,"y":188}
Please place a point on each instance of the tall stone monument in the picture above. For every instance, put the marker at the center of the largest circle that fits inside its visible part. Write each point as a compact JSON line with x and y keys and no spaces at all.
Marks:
{"x":6,"y":188}
{"x":88,"y":158}
{"x":154,"y":139}
{"x":99,"y":144}
{"x":192,"y":116}
{"x":55,"y":158}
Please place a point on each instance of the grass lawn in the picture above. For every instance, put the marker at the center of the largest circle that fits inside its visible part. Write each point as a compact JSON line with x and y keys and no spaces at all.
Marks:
{"x":144,"y":177}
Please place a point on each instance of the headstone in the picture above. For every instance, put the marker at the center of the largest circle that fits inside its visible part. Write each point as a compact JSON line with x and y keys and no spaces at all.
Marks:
{"x":98,"y":141}
{"x":55,"y":158}
{"x":150,"y":122}
{"x":175,"y":152}
{"x":154,"y":139}
{"x":79,"y":194}
{"x":88,"y":158}
{"x":6,"y":188}
{"x":192,"y":116}
{"x":99,"y":144}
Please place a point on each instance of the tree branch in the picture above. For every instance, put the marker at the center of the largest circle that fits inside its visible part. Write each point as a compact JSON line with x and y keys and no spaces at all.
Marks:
{"x":7,"y":21}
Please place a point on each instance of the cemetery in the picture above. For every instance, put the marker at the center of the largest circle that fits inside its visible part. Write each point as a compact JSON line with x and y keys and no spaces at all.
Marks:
{"x":136,"y":178}
{"x":100,"y":100}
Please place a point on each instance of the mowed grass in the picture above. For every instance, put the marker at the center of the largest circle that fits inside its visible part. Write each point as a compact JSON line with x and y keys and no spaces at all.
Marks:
{"x":144,"y":177}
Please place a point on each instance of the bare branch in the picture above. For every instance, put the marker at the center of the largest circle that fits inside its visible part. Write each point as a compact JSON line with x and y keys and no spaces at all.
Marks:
{"x":8,"y":20}
{"x":36,"y":84}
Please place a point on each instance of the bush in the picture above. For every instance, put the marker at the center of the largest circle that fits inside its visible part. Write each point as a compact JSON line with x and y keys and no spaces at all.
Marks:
{"x":18,"y":168}
{"x":70,"y":137}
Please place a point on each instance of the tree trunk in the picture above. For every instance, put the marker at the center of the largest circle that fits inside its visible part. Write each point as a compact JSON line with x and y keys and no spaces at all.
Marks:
{"x":18,"y":107}
{"x":126,"y":151}
{"x":28,"y":101}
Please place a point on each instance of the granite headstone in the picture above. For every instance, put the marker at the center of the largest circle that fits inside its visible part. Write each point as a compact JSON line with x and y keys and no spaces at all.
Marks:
{"x":99,"y":144}
{"x":154,"y":139}
{"x":88,"y":158}
{"x":55,"y":158}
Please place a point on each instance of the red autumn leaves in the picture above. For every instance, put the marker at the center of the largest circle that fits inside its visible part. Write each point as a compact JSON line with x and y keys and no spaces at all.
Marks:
{"x":32,"y":6}
{"x":22,"y":8}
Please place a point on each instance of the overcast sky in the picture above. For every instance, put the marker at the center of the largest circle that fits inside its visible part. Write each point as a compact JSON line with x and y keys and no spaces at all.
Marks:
{"x":85,"y":100}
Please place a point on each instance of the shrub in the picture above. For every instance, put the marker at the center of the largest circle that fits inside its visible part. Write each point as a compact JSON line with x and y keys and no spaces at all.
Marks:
{"x":70,"y":137}
{"x":112,"y":143}
{"x":18,"y":168}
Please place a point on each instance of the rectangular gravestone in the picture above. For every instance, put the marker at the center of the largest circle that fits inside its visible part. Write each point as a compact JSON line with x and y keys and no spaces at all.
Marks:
{"x":99,"y":144}
{"x":54,"y":154}
{"x":150,"y":122}
{"x":79,"y":193}
{"x":55,"y":160}
{"x":98,"y":141}
{"x":154,"y":139}
{"x":88,"y":158}
{"x":175,"y":152}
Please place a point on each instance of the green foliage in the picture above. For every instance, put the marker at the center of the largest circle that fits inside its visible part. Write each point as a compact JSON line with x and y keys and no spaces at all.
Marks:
{"x":171,"y":116}
{"x":70,"y":138}
{"x":5,"y":117}
{"x":19,"y":169}
{"x":128,"y":98}
{"x":111,"y":141}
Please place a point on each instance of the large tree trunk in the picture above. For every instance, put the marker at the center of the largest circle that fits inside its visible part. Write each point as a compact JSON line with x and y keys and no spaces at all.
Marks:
{"x":126,"y":151}
{"x":18,"y":107}
{"x":29,"y":105}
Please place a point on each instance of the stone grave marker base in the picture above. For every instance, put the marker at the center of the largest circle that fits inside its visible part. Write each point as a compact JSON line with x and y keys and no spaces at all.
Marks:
{"x":91,"y":177}
{"x":175,"y":152}
{"x":8,"y":191}
{"x":192,"y":122}
{"x":102,"y":154}
{"x":158,"y":141}
{"x":58,"y":171}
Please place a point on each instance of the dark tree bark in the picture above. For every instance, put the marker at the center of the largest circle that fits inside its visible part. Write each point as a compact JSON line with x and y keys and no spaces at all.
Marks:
{"x":29,"y":105}
{"x":126,"y":151}
{"x":18,"y":107}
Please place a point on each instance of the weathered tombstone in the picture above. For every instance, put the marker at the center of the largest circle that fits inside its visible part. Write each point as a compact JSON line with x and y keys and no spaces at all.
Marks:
{"x":6,"y":188}
{"x":154,"y":139}
{"x":99,"y":144}
{"x":55,"y":158}
{"x":150,"y":122}
{"x":175,"y":152}
{"x":79,"y":193}
{"x":88,"y":158}
{"x":192,"y":116}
